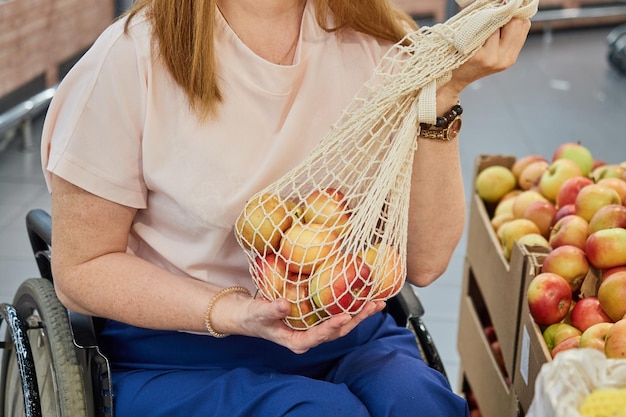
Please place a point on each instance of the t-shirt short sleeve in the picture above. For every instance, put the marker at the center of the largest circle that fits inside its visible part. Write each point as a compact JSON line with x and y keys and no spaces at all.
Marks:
{"x":93,"y":131}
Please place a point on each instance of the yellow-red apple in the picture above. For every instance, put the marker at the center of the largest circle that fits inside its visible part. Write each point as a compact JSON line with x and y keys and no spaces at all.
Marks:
{"x":302,"y":314}
{"x":493,"y":182}
{"x":534,"y":240}
{"x":305,"y":246}
{"x":569,"y":343}
{"x":523,"y":200}
{"x":569,"y":262}
{"x":570,"y":230}
{"x":530,"y":176}
{"x":612,"y":295}
{"x":500,"y":219}
{"x":520,"y":164}
{"x":271,"y":273}
{"x":558,"y":332}
{"x":618,"y":184}
{"x":329,"y":208}
{"x":504,"y":206}
{"x":511,"y":231}
{"x":549,"y":297}
{"x":262,"y":223}
{"x":608,"y":171}
{"x":595,"y":336}
{"x":388,"y":273}
{"x":561,"y":212}
{"x":615,"y":342}
{"x":341,"y":284}
{"x":592,"y":197}
{"x":542,"y":214}
{"x":607,"y":217}
{"x":558,"y":172}
{"x":606,"y":248}
{"x":577,"y":153}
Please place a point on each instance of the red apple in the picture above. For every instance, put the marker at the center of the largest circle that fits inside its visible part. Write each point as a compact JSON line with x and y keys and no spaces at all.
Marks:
{"x":607,"y":217}
{"x":612,"y":295}
{"x":558,"y":332}
{"x":558,"y":172}
{"x":561,"y":212}
{"x":341,"y":284}
{"x":606,"y":248}
{"x":570,"y":343}
{"x":542,"y":214}
{"x":577,"y":153}
{"x":549,"y":297}
{"x":530,"y":175}
{"x":595,"y":336}
{"x":587,"y":312}
{"x":493,"y":182}
{"x":618,"y":184}
{"x":615,"y":342}
{"x":570,"y":230}
{"x":592,"y":197}
{"x":610,"y":271}
{"x":569,"y":190}
{"x":569,"y":262}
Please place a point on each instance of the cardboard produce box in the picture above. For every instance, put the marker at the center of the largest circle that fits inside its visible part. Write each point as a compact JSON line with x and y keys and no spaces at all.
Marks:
{"x":499,"y":281}
{"x":482,"y":371}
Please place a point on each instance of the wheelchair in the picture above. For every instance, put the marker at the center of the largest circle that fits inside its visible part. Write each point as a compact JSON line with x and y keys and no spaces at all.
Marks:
{"x":51,"y":363}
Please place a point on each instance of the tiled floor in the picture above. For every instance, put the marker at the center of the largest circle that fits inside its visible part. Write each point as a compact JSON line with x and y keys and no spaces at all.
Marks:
{"x":558,"y":91}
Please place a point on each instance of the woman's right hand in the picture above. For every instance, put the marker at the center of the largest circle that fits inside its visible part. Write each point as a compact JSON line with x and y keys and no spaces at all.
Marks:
{"x":264,"y":319}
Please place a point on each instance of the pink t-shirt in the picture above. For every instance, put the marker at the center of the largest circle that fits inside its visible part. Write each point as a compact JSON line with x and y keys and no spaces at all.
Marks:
{"x":119,"y":127}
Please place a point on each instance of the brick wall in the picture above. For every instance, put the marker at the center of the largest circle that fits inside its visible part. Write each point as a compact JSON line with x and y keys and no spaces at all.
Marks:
{"x":37,"y":36}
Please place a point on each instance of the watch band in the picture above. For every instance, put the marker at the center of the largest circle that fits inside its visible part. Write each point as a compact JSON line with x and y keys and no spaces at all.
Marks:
{"x":446,"y":127}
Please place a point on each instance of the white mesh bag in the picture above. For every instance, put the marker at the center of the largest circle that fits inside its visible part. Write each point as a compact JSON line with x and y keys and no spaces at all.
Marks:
{"x":331,"y":234}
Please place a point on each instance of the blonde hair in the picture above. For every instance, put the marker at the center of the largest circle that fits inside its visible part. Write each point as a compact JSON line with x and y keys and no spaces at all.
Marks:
{"x":183,"y":40}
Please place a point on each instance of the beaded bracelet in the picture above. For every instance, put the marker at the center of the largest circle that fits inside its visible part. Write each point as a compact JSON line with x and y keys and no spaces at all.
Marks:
{"x":216,"y":297}
{"x":444,"y":121}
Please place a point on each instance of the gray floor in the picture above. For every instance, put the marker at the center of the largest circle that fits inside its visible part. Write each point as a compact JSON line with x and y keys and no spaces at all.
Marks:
{"x":559,"y":90}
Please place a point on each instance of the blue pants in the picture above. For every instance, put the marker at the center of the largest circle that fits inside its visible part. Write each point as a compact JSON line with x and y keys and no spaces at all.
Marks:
{"x":376,"y":370}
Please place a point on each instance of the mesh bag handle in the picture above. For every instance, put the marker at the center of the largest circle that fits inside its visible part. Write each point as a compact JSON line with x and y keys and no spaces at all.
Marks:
{"x":331,"y":233}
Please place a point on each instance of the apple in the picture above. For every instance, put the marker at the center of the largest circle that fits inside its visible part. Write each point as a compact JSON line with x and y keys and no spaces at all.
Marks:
{"x":542,"y":214}
{"x":577,"y":153}
{"x":341,"y":284}
{"x":520,"y":164}
{"x":558,"y":332}
{"x":592,"y":197}
{"x":615,"y":342}
{"x":529,"y":177}
{"x":606,"y":248}
{"x":496,"y":351}
{"x":271,"y":273}
{"x":262,"y":223}
{"x":618,"y":184}
{"x":569,"y":262}
{"x":612,"y":295}
{"x":490,"y":333}
{"x":608,"y":171}
{"x":505,"y":206}
{"x":511,"y":231}
{"x":570,"y":230}
{"x":561,"y":212}
{"x":388,"y":272}
{"x":305,"y":246}
{"x":569,"y":190}
{"x":523,"y":200}
{"x":610,"y":271}
{"x":493,"y":182}
{"x":302,"y":314}
{"x":296,"y":210}
{"x":607,"y":217}
{"x":534,"y":240}
{"x":595,"y":336}
{"x":569,"y":343}
{"x":500,"y":219}
{"x":327,"y":207}
{"x":549,"y":297}
{"x":587,"y":312}
{"x":558,"y":172}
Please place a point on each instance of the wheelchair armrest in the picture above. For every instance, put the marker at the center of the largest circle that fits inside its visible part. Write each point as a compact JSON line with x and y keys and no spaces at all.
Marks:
{"x":39,"y":227}
{"x":405,"y":305}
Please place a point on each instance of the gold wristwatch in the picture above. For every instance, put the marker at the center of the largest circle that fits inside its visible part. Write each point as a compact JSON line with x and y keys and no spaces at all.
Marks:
{"x":446,"y":128}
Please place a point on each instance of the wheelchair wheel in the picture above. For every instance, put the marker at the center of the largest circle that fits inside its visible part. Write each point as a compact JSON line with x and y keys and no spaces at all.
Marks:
{"x":59,"y":375}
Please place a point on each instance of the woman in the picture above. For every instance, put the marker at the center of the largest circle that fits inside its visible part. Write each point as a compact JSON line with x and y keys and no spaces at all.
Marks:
{"x":179,"y":113}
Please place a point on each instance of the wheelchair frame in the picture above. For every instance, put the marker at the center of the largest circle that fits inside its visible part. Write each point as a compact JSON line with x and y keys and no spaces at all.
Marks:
{"x":76,"y":343}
